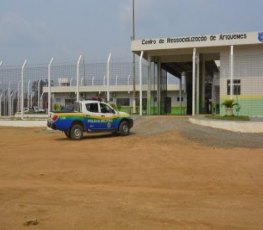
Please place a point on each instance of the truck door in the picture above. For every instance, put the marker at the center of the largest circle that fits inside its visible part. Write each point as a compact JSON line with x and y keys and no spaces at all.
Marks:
{"x":93,"y":117}
{"x":107,"y":115}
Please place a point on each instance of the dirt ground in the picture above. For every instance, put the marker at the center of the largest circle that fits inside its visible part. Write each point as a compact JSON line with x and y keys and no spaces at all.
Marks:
{"x":168,"y":174}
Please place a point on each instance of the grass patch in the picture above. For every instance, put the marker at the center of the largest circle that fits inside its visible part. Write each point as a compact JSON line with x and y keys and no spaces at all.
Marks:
{"x":228,"y":118}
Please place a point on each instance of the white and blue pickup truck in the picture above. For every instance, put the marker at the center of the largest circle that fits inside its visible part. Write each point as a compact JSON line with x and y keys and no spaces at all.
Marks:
{"x":90,"y":116}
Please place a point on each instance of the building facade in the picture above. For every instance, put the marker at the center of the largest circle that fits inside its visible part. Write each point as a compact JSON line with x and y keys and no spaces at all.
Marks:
{"x":215,"y":68}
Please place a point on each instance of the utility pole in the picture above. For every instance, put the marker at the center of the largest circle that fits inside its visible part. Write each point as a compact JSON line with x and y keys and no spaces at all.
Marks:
{"x":133,"y":60}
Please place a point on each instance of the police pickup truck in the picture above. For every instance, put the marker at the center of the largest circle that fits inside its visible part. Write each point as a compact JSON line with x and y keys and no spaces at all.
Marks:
{"x":90,"y":116}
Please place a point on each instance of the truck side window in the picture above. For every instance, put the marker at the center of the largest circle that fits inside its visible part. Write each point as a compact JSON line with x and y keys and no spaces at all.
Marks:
{"x":105,"y":108}
{"x":92,"y":107}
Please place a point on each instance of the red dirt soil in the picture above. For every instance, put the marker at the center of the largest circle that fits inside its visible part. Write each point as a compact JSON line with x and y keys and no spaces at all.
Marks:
{"x":159,"y":181}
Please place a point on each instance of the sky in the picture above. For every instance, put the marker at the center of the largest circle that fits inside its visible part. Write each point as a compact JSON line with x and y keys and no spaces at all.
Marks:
{"x":37,"y":30}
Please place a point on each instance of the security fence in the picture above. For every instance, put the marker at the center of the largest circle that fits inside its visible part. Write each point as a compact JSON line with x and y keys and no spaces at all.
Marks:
{"x":22,"y":87}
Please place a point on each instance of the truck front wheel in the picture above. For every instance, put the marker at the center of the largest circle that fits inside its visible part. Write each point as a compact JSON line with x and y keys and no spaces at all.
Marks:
{"x":76,"y":132}
{"x":124,"y":128}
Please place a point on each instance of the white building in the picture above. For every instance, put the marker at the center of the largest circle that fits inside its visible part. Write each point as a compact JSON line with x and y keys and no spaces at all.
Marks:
{"x":64,"y":95}
{"x":216,"y":67}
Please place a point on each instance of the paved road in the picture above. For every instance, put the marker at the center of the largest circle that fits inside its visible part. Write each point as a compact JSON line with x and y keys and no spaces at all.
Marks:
{"x":208,"y":136}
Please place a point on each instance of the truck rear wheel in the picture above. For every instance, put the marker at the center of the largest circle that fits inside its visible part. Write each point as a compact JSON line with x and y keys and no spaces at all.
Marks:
{"x":76,"y":132}
{"x":124,"y":128}
{"x":67,"y":133}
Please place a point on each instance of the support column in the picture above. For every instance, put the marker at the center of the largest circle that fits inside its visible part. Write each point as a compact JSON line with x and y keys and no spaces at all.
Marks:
{"x":203,"y":85}
{"x":197,"y":84}
{"x":158,"y":87}
{"x":231,"y":70}
{"x":180,"y":93}
{"x":193,"y":82}
{"x":149,"y":86}
{"x":141,"y":56}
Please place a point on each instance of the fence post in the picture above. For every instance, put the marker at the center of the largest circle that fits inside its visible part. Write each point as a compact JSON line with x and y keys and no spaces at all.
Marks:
{"x":108,"y":78}
{"x":129,"y":76}
{"x":11,"y":104}
{"x":18,"y":95}
{"x":28,"y":94}
{"x":38,"y":94}
{"x":116,"y":80}
{"x":78,"y":77}
{"x":49,"y":84}
{"x":9,"y":98}
{"x":22,"y":89}
{"x":1,"y":104}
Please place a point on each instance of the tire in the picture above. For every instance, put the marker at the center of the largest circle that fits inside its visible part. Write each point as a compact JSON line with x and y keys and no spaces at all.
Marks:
{"x":124,"y":128}
{"x":76,"y":132}
{"x":67,"y":133}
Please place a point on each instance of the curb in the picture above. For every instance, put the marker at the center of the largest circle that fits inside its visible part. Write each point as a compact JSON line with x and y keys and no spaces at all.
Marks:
{"x":234,"y":126}
{"x":31,"y":124}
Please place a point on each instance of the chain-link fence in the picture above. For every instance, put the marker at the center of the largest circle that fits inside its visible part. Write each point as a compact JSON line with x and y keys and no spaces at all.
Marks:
{"x":31,"y":96}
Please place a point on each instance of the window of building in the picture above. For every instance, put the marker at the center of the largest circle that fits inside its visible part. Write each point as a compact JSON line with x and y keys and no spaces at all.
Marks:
{"x":236,"y":87}
{"x":178,"y":99}
{"x":92,"y":107}
{"x":123,"y":101}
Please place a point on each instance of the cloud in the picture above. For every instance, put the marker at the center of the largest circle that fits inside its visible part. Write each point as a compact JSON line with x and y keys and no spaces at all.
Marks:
{"x":17,"y":30}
